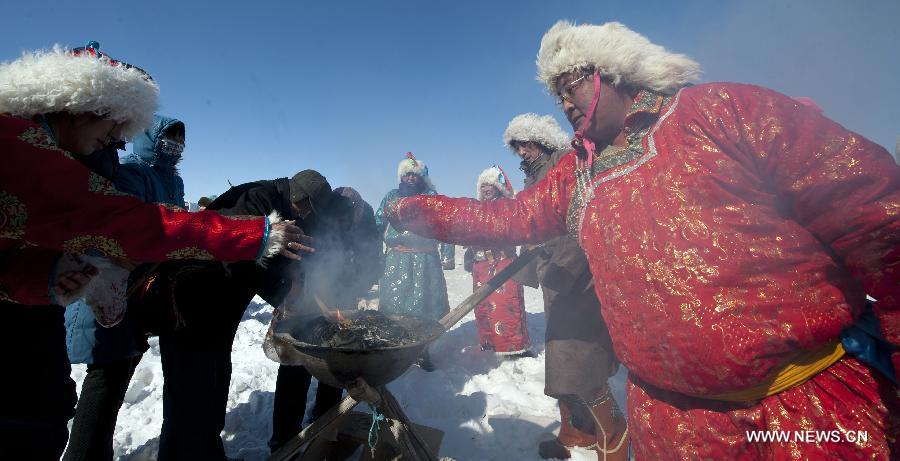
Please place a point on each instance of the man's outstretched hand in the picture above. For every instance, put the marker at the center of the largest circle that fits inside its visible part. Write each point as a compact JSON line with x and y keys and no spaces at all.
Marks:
{"x":296,"y":243}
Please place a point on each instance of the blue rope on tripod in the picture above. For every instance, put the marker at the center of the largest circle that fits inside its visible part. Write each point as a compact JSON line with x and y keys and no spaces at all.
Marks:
{"x":373,"y":429}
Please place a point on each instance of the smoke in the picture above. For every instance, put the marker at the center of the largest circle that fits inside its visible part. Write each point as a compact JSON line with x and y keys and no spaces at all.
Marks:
{"x":347,"y":260}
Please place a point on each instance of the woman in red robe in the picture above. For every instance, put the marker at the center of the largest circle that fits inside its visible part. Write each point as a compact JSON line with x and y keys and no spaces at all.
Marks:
{"x":500,"y":318}
{"x":58,"y":104}
{"x":735,"y":233}
{"x":55,"y":105}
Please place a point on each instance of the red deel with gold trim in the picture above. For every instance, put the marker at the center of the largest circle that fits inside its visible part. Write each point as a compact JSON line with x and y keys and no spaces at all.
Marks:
{"x":50,"y":201}
{"x":748,"y":228}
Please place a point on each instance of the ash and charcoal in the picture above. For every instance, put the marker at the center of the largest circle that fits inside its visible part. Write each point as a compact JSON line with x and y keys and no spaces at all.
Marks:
{"x":360,"y":330}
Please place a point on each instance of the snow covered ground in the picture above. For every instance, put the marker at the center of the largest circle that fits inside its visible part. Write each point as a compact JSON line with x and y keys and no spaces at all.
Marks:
{"x":488,"y":408}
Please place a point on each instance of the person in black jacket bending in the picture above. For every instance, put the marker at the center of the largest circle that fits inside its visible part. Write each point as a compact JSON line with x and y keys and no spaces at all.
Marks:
{"x":208,"y":302}
{"x":346,"y":264}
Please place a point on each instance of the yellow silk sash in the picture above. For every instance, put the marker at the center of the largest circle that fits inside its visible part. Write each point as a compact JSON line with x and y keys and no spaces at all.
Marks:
{"x":802,"y":367}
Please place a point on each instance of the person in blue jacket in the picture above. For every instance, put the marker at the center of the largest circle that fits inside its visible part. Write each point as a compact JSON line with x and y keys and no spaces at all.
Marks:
{"x":112,"y":354}
{"x":150,"y":171}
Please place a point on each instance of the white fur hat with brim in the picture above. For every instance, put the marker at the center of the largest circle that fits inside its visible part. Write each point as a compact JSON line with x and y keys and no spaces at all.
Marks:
{"x":620,"y":54}
{"x":412,"y":165}
{"x":496,"y":177}
{"x":541,"y":129}
{"x":60,"y":81}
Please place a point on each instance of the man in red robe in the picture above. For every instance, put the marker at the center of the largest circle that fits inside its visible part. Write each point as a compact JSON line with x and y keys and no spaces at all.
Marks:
{"x":734,"y":234}
{"x":55,"y":105}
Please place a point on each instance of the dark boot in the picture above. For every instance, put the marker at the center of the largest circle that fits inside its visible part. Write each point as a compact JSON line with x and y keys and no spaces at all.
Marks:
{"x":527,"y":353}
{"x":569,"y":436}
{"x":553,"y":449}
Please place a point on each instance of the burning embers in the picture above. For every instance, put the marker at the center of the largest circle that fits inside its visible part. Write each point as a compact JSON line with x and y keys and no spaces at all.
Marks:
{"x":365,"y":344}
{"x":360,"y":330}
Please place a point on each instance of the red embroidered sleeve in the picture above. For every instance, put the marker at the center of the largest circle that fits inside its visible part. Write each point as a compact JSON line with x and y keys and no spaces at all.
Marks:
{"x":533,"y":216}
{"x":52,"y":201}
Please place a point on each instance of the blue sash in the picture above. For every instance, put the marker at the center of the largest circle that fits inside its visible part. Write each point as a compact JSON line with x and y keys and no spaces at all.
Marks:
{"x":863,"y":340}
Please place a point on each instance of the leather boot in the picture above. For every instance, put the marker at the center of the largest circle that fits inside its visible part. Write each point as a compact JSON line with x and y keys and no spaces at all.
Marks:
{"x":610,"y":427}
{"x":569,"y":436}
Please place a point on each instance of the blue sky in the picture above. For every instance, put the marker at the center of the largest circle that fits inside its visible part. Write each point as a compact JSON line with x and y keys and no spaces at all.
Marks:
{"x":270,"y":88}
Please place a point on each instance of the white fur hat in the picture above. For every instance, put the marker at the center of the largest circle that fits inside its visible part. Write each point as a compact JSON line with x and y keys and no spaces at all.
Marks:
{"x":412,"y":165}
{"x":43,"y":82}
{"x":619,"y":53}
{"x":496,"y":177}
{"x":541,"y":129}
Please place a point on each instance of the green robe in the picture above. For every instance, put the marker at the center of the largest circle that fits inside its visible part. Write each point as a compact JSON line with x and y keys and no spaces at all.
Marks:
{"x":413,"y":282}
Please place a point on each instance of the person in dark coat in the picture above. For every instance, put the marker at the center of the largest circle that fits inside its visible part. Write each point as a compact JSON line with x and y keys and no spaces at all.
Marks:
{"x":579,"y":355}
{"x":343,"y":269}
{"x":209,"y":302}
{"x":113,"y":353}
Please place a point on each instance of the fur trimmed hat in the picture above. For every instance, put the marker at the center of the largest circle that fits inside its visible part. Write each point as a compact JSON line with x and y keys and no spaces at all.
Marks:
{"x":496,"y":177}
{"x":412,"y":165}
{"x":619,"y":53}
{"x":75,"y":82}
{"x":541,"y":129}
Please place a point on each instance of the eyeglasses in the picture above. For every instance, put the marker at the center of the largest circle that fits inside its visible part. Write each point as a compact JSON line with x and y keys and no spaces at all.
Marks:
{"x":171,"y":148}
{"x":566,"y":92}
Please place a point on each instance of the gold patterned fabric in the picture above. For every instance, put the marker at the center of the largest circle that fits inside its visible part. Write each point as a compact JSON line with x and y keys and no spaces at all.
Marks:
{"x":37,"y":137}
{"x":71,"y":209}
{"x":191,"y":253}
{"x":13,"y":216}
{"x":100,"y":185}
{"x":747,"y":228}
{"x":88,"y":244}
{"x":51,"y":202}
